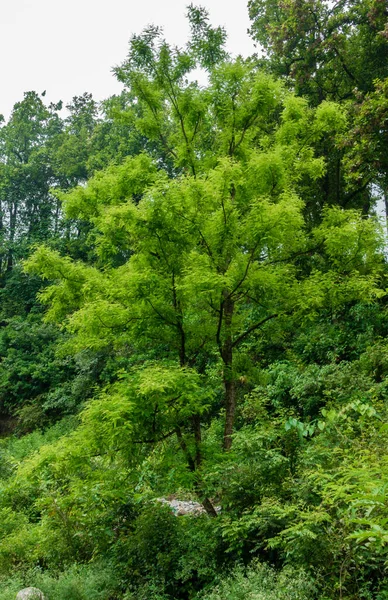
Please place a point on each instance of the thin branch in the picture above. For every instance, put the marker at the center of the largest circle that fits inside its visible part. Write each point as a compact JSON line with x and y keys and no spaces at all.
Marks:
{"x":196,"y":127}
{"x":345,"y":68}
{"x":175,"y":104}
{"x":192,"y":360}
{"x":153,"y":440}
{"x":162,"y":249}
{"x":348,"y":198}
{"x":160,"y":314}
{"x":155,"y":115}
{"x":120,"y":448}
{"x":295,"y":255}
{"x":252,"y":329}
{"x":251,"y":257}
{"x":121,"y":325}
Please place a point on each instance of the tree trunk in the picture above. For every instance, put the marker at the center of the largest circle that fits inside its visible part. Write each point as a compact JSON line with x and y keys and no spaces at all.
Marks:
{"x":194,"y":464}
{"x":194,"y":468}
{"x":230,"y":410}
{"x":208,"y":506}
{"x":229,"y":382}
{"x":196,"y":420}
{"x":1,"y":236}
{"x":56,"y":217}
{"x":12,"y":233}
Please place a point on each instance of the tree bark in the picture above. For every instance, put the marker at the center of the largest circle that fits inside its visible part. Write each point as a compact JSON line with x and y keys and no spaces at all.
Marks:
{"x":230,"y":410}
{"x":208,"y":506}
{"x":1,"y":236}
{"x":12,"y":233}
{"x":193,"y":466}
{"x":229,"y":382}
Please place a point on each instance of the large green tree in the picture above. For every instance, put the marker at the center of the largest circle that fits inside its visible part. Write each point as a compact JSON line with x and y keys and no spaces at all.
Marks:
{"x":201,"y":255}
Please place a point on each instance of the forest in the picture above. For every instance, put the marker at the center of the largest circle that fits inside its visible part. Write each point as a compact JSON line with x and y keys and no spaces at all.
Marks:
{"x":194,"y":309}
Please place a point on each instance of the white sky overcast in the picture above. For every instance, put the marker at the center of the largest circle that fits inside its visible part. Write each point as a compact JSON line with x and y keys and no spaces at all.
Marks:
{"x":68,"y":48}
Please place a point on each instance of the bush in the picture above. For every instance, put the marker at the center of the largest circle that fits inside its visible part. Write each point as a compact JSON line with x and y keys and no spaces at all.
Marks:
{"x":260,"y":582}
{"x":92,"y":582}
{"x":164,"y":556}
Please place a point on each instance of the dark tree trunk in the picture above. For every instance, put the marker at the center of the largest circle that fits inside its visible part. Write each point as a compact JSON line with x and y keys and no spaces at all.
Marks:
{"x":229,"y":382}
{"x":194,"y":464}
{"x":198,"y":440}
{"x":1,"y":236}
{"x":385,"y":192}
{"x":12,"y":233}
{"x":230,"y":410}
{"x":208,"y":506}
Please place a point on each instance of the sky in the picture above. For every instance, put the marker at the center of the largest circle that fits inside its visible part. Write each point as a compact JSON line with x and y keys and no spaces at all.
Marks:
{"x":68,"y":48}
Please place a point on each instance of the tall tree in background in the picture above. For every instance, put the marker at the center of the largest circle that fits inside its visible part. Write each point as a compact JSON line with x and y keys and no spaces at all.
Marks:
{"x":336,"y":51}
{"x":26,"y":176}
{"x":40,"y":151}
{"x":71,"y":149}
{"x":366,"y":143}
{"x":326,"y":49}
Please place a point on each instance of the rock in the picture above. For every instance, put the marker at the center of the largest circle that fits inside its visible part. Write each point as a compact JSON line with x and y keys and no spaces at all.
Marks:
{"x":185,"y":507}
{"x":30,"y":593}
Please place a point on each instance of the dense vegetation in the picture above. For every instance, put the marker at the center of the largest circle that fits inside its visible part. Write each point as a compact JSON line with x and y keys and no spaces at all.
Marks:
{"x":193,"y":306}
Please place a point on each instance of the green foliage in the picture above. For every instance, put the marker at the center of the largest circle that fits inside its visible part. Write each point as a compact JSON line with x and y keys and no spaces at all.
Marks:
{"x":97,"y":582}
{"x":366,"y":142}
{"x":327,"y":50}
{"x":160,"y":552}
{"x":259,"y":582}
{"x":335,"y":52}
{"x":211,"y":322}
{"x":208,"y":258}
{"x":29,"y":366}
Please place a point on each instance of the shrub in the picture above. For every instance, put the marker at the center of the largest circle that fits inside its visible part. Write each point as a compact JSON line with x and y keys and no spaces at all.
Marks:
{"x":260,"y":582}
{"x":91,"y":582}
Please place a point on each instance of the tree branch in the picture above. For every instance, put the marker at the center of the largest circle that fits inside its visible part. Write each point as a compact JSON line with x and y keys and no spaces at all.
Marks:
{"x":252,"y":329}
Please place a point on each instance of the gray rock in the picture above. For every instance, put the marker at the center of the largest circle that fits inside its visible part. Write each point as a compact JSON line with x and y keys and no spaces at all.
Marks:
{"x":30,"y":593}
{"x":188,"y":507}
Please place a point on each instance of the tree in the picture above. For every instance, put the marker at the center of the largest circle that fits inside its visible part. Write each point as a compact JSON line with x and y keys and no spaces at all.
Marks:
{"x":196,"y":260}
{"x":367,"y":141}
{"x":70,"y":150}
{"x":326,"y":49}
{"x":26,"y":207}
